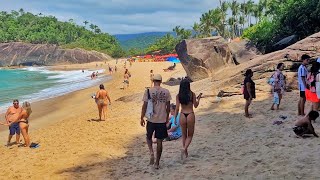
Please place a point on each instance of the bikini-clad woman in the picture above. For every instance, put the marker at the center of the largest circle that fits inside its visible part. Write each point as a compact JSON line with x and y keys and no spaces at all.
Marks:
{"x":102,"y":98}
{"x":23,"y":121}
{"x":187,"y":99}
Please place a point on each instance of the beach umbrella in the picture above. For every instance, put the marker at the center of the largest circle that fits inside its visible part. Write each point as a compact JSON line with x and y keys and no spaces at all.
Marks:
{"x":173,"y":60}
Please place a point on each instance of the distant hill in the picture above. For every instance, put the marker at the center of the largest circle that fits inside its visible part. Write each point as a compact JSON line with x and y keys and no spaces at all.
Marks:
{"x":139,"y":41}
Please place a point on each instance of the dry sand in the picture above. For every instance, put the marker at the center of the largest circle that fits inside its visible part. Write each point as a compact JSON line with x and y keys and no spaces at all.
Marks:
{"x":226,"y":145}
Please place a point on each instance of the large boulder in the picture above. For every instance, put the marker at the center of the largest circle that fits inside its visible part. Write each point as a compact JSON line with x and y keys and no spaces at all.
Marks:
{"x":202,"y":57}
{"x":17,"y":53}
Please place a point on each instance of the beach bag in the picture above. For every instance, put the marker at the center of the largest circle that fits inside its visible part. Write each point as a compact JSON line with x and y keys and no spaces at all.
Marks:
{"x":318,"y":85}
{"x":271,"y":80}
{"x":149,"y":111}
{"x":242,"y":88}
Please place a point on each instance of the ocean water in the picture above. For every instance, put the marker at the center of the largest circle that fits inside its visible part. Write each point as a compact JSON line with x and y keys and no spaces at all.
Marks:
{"x":35,"y":84}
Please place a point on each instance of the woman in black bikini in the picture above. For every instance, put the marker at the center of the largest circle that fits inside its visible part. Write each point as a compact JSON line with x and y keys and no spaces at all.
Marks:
{"x":188,"y":100}
{"x":24,"y":122}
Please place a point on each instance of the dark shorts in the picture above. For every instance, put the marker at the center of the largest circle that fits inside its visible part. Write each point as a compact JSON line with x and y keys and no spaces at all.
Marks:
{"x":160,"y":130}
{"x":303,"y":94}
{"x":14,"y":129}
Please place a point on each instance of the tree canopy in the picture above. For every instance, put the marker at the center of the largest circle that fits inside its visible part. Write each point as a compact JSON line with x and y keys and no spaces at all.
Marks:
{"x":20,"y":26}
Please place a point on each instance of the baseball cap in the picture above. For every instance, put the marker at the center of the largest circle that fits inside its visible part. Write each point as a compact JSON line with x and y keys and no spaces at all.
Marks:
{"x":157,"y":77}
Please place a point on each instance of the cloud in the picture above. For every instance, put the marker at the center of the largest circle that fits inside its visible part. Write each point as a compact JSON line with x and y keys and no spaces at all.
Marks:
{"x":120,"y":16}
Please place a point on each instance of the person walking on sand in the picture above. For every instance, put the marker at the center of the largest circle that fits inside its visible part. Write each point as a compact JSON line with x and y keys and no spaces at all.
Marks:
{"x":151,"y":77}
{"x":278,"y":86}
{"x":102,"y":98}
{"x":187,"y":100}
{"x":11,"y":115}
{"x":302,"y":75}
{"x":249,"y":91}
{"x":157,"y":123}
{"x":126,"y":77}
{"x":23,"y":120}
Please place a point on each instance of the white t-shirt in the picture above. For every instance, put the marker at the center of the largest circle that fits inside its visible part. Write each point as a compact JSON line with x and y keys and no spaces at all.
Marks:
{"x":302,"y":72}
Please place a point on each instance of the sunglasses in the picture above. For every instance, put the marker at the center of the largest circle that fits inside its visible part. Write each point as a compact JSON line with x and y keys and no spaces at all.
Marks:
{"x":15,"y":103}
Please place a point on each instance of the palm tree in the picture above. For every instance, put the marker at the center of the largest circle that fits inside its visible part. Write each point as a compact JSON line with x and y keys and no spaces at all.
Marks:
{"x":224,"y":8}
{"x":92,"y":26}
{"x":242,"y":21}
{"x":97,"y":30}
{"x":85,"y":23}
{"x":250,"y":5}
{"x":235,"y":11}
{"x":205,"y":24}
{"x":196,"y":29}
{"x":21,"y":11}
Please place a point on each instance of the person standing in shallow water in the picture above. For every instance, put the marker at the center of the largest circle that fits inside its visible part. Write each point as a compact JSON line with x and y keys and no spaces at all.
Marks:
{"x":249,"y":91}
{"x":187,"y":100}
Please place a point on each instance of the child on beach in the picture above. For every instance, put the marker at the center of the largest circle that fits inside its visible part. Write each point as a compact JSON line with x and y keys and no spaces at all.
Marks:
{"x":278,"y":86}
{"x":249,"y":91}
{"x":304,"y":126}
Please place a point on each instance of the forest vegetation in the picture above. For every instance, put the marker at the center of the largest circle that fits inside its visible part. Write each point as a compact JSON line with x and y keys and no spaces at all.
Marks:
{"x":21,"y":26}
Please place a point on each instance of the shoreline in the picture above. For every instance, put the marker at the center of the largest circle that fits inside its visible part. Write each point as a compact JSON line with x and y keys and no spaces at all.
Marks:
{"x":69,"y":134}
{"x":39,"y":112}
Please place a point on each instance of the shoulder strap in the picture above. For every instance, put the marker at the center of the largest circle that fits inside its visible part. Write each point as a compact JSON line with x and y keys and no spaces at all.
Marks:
{"x":149,"y":97}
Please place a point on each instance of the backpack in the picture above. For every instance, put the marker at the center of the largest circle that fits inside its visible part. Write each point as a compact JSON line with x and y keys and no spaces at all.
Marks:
{"x":149,"y":111}
{"x":271,"y":80}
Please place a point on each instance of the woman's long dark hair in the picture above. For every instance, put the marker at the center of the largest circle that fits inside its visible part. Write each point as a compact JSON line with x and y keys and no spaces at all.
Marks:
{"x":315,"y":68}
{"x":185,"y":93}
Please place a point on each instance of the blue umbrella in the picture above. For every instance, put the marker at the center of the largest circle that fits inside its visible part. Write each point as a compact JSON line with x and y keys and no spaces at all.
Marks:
{"x":173,"y":59}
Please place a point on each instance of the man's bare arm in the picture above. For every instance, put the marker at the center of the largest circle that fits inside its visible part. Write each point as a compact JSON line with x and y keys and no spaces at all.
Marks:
{"x":143,"y":112}
{"x":304,"y":81}
{"x":168,"y":111}
{"x":6,"y":115}
{"x":311,"y":129}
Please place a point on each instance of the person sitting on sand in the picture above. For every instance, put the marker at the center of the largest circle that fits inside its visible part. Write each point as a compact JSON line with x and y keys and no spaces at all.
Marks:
{"x":157,"y":122}
{"x":278,"y":86}
{"x":249,"y":91}
{"x":170,"y":68}
{"x":187,"y":99}
{"x":23,"y":120}
{"x":174,"y":131}
{"x":11,"y":115}
{"x":304,"y":126}
{"x":102,"y":98}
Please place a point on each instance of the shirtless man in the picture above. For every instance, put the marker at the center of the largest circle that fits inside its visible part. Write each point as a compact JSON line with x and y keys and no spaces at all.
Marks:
{"x":12,"y":114}
{"x":304,"y":126}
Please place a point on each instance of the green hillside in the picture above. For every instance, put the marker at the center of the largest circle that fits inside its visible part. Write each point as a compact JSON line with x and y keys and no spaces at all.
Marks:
{"x":39,"y":29}
{"x":140,"y":42}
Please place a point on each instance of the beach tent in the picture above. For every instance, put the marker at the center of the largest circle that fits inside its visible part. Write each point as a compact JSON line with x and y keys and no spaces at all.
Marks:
{"x":173,"y":59}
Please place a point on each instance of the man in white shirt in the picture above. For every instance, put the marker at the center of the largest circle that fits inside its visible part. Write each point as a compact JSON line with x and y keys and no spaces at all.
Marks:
{"x":302,"y":75}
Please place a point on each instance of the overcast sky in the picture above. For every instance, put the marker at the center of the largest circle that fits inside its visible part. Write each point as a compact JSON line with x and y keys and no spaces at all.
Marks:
{"x":119,"y":16}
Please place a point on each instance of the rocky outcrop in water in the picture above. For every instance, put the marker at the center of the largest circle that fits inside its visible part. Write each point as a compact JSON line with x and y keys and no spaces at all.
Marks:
{"x":16,"y":53}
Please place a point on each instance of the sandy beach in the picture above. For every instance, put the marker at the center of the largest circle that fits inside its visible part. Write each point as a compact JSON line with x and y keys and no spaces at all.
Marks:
{"x":226,"y":145}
